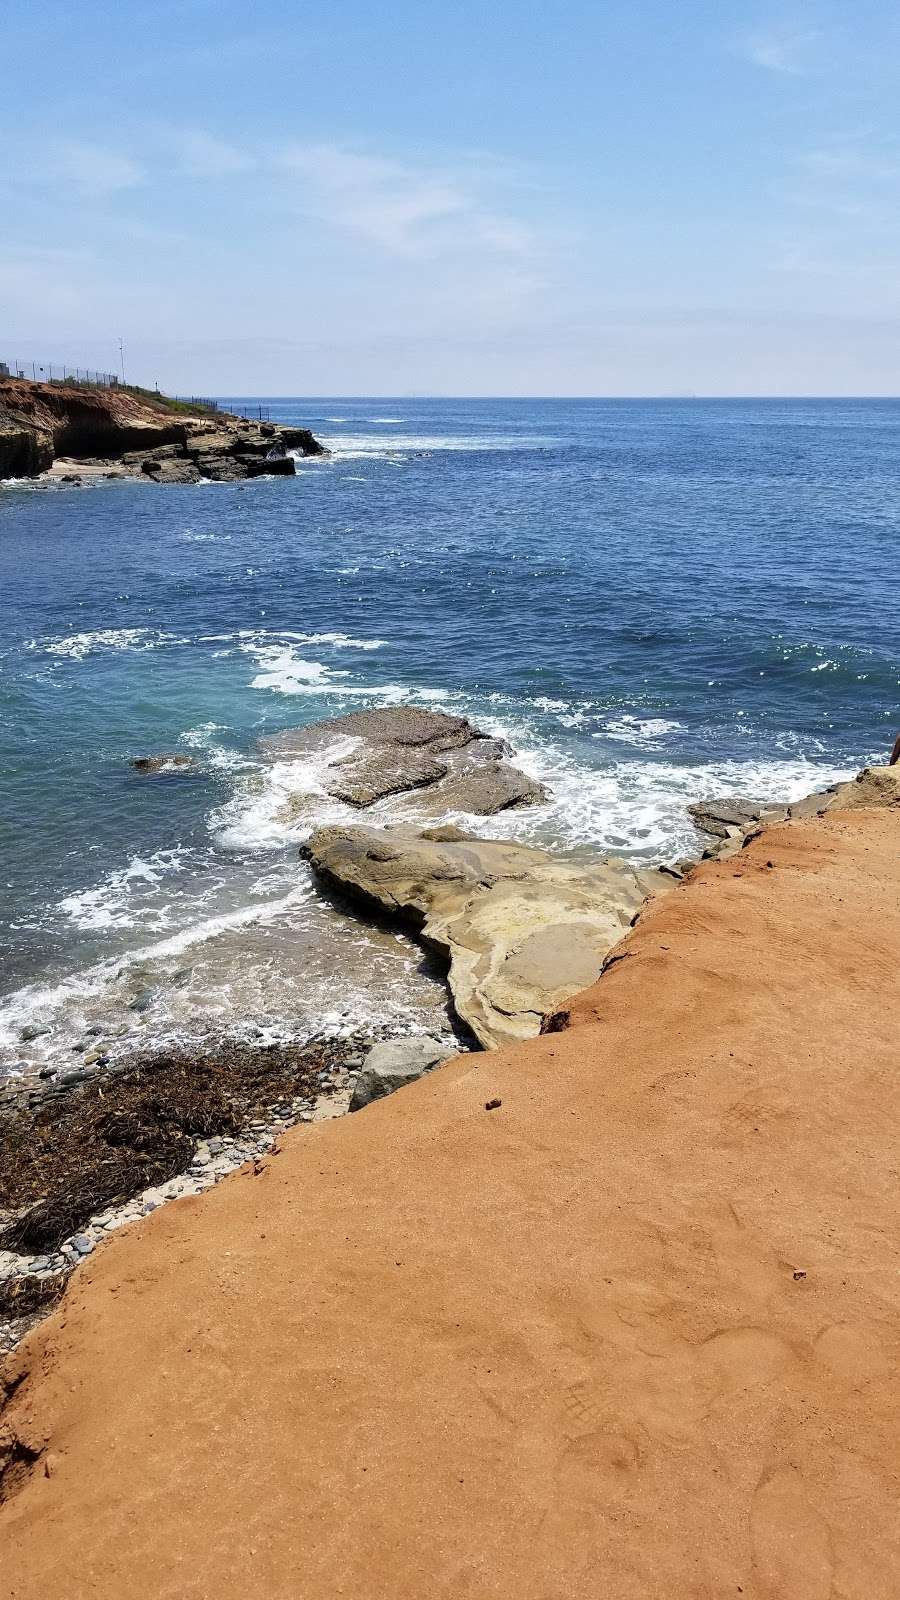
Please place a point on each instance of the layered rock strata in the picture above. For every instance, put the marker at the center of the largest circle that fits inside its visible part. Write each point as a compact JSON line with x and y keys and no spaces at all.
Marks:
{"x":521,"y":930}
{"x":40,"y":422}
{"x":368,"y":756}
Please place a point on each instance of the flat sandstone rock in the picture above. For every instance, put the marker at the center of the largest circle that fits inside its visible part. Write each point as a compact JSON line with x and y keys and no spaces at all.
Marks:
{"x":370,"y":755}
{"x":522,"y":930}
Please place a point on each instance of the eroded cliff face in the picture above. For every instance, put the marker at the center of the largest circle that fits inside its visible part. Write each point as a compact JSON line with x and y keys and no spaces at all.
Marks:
{"x":40,"y":422}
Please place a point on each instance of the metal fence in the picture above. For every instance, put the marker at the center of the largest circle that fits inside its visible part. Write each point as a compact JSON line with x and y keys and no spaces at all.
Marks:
{"x":58,"y":372}
{"x":237,"y":408}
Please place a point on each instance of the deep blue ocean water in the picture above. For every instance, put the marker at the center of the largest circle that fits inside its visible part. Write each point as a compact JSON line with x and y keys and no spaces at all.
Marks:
{"x":655,"y":600}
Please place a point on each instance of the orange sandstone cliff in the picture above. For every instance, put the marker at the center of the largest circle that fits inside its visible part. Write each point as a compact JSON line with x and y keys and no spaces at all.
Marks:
{"x":633,"y":1333}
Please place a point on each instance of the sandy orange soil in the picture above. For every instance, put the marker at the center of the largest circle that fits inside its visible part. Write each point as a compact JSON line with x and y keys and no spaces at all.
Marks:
{"x":635,"y":1333}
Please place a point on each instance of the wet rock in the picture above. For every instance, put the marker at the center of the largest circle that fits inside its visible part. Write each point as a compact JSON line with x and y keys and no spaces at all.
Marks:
{"x":719,"y":816}
{"x":394,"y":750}
{"x":373,"y":777}
{"x":300,"y":439}
{"x":484,"y":790}
{"x":172,"y":471}
{"x":393,"y":1064}
{"x":383,"y":726}
{"x":33,"y":1030}
{"x":162,"y":763}
{"x":271,"y":467}
{"x":522,"y":930}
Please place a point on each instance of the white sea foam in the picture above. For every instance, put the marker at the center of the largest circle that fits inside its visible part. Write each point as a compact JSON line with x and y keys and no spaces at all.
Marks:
{"x":287,"y":673}
{"x":282,"y":802}
{"x":121,"y":899}
{"x":641,"y":731}
{"x":374,"y":446}
{"x":78,"y":645}
{"x":73,"y":993}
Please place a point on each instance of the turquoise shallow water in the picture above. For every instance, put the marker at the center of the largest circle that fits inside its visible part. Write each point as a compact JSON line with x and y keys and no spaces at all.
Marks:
{"x":654,"y":600}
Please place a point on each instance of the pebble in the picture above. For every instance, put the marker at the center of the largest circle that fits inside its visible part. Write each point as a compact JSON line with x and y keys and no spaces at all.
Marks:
{"x":82,"y":1244}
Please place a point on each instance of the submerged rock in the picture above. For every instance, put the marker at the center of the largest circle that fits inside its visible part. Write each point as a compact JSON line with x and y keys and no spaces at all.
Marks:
{"x":522,"y":930}
{"x":393,"y":1064}
{"x":162,"y":763}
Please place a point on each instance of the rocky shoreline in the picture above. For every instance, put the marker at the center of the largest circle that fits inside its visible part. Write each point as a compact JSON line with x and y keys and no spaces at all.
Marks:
{"x":519,"y":932}
{"x":71,"y":434}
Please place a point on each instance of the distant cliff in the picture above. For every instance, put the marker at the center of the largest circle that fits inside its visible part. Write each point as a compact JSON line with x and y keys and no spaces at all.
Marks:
{"x":163,"y":439}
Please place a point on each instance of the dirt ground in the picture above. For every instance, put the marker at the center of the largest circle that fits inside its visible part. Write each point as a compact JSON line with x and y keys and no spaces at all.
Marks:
{"x":633,"y":1332}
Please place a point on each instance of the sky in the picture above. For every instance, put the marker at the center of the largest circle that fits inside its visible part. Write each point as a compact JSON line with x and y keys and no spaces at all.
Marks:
{"x":603,"y":197}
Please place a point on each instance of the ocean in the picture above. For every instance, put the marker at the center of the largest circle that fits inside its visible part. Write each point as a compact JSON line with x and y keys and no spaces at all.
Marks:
{"x":654,"y":601}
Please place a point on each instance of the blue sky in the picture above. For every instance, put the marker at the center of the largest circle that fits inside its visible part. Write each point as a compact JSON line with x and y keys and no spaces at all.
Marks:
{"x":621,"y":197}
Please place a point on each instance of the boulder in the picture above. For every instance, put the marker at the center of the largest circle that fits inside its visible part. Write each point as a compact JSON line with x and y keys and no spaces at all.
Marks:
{"x":719,"y":816}
{"x":484,"y":790}
{"x":172,"y":471}
{"x":521,"y":930}
{"x":301,"y":439}
{"x":162,"y":763}
{"x":395,"y":749}
{"x":270,"y":466}
{"x":395,"y":1063}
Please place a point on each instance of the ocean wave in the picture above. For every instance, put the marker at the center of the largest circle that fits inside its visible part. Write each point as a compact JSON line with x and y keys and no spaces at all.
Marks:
{"x":350,"y":446}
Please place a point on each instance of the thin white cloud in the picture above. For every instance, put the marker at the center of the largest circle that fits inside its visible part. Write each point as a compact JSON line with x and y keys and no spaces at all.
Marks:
{"x":94,"y":170}
{"x":400,"y":210}
{"x":203,"y":156}
{"x":780,"y":49}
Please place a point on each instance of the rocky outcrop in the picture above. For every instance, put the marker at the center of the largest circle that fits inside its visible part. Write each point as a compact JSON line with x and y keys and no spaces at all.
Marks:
{"x":521,"y":930}
{"x":395,"y":750}
{"x":154,"y":438}
{"x":394,"y":1063}
{"x":873,"y":786}
{"x":732,"y":820}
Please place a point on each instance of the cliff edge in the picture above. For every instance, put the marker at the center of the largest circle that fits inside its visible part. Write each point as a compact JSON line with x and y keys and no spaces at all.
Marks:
{"x":615,"y":1311}
{"x":154,"y":437}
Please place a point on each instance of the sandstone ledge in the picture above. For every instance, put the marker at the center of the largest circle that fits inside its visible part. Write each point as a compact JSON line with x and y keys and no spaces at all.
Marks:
{"x":521,"y":930}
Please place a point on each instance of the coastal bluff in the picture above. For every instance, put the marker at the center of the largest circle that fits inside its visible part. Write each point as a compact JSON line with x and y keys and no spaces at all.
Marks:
{"x":613,"y":1310}
{"x":67,"y":428}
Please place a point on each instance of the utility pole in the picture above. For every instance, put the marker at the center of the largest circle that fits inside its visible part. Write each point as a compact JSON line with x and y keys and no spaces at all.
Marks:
{"x":122,"y":357}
